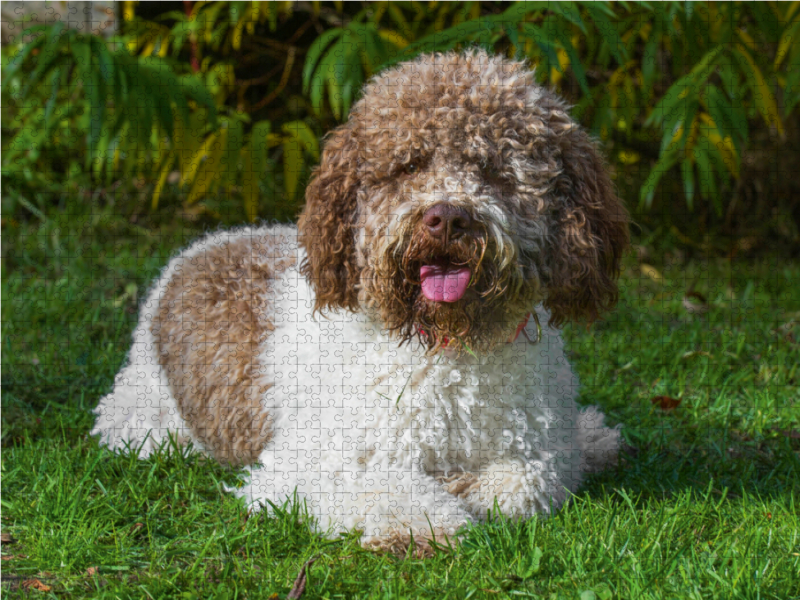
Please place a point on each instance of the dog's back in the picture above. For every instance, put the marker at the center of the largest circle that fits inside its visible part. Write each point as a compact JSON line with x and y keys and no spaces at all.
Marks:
{"x":193,"y":369}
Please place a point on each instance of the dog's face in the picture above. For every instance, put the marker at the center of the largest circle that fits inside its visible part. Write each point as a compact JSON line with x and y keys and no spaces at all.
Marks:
{"x":458,"y":196}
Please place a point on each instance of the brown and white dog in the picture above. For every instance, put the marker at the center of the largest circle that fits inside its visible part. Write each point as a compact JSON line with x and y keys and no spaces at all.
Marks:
{"x":382,"y":358}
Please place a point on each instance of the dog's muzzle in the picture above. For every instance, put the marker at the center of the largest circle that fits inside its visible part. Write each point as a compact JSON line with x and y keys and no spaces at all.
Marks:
{"x":445,"y":282}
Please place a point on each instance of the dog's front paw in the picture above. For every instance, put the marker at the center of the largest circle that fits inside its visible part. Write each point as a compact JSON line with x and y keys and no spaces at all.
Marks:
{"x":415,"y":544}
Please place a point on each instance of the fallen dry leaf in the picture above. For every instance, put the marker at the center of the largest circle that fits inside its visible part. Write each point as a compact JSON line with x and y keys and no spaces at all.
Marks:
{"x":300,"y":583}
{"x":91,"y":571}
{"x":692,"y":353}
{"x":787,"y":331}
{"x":696,"y":295}
{"x":35,"y":584}
{"x":6,"y":538}
{"x":790,"y":433}
{"x":13,"y":556}
{"x":651,"y":272}
{"x":746,"y":243}
{"x":136,"y":527}
{"x":666,"y":403}
{"x":695,"y":303}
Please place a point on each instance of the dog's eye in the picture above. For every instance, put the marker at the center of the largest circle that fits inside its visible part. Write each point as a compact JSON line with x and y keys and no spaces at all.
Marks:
{"x":415,"y":166}
{"x":490,"y":172}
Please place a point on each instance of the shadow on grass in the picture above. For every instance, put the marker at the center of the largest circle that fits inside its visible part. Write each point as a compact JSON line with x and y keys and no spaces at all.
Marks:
{"x":728,"y":467}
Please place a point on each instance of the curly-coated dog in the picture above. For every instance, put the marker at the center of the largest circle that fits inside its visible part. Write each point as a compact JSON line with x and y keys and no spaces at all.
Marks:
{"x":382,"y":359}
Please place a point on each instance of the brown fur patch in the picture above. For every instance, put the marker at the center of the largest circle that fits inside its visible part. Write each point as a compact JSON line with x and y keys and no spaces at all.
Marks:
{"x":327,"y":224}
{"x":211,"y":321}
{"x":593,"y":233}
{"x":460,"y":484}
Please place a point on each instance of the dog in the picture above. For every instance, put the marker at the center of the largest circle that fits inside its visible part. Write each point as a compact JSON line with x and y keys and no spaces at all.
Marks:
{"x":385,"y":359}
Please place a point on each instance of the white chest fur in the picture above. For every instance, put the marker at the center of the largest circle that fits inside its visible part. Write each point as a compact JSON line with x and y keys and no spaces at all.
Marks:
{"x":356,"y":412}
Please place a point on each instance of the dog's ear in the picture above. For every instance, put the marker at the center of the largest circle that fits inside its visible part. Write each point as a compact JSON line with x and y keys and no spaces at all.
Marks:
{"x":327,"y":224}
{"x":591,"y":232}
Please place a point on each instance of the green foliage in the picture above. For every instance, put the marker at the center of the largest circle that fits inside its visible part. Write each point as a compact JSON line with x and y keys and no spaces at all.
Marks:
{"x":133,"y":116}
{"x":739,"y":56}
{"x":704,"y":115}
{"x":340,"y":59}
{"x":228,"y":158}
{"x":343,"y":57}
{"x":705,"y":79}
{"x":119,"y":111}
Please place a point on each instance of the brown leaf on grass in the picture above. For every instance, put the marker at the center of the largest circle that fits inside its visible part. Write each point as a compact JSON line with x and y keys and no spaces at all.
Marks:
{"x":6,"y":538}
{"x":666,"y":403}
{"x":92,"y":571}
{"x":35,"y":584}
{"x":136,"y":527}
{"x":693,"y":353}
{"x":787,"y":331}
{"x":13,"y":556}
{"x":300,"y":583}
{"x":789,"y":433}
{"x":695,"y":303}
{"x":746,"y":244}
{"x":651,"y":272}
{"x":696,"y":295}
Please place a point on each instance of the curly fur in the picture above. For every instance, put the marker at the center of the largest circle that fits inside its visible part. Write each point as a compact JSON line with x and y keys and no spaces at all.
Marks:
{"x":317,"y":351}
{"x":485,"y":137}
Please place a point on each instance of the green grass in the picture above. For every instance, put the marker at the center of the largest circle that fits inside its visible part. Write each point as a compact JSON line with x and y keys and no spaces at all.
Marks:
{"x":703,"y":506}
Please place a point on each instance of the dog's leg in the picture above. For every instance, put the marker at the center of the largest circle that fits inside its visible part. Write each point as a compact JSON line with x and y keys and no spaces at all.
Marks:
{"x":599,"y":444}
{"x":517,"y":488}
{"x":140,"y":411}
{"x":388,"y":506}
{"x":523,"y":486}
{"x":399,"y":505}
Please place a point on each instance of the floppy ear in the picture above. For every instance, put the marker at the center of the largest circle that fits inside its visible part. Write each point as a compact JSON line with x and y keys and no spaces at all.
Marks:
{"x":327,"y":224}
{"x":591,"y":233}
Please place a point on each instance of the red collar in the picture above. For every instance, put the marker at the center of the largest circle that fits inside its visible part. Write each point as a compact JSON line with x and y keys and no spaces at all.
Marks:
{"x":520,"y":330}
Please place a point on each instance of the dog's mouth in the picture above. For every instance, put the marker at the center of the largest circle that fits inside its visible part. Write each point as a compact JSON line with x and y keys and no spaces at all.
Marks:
{"x":444,"y":282}
{"x":439,"y":293}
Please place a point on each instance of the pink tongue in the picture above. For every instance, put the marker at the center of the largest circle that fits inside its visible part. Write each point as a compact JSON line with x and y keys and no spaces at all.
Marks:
{"x":442,"y":284}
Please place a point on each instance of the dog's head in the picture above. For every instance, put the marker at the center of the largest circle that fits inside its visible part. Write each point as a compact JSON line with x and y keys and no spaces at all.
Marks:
{"x":458,"y":196}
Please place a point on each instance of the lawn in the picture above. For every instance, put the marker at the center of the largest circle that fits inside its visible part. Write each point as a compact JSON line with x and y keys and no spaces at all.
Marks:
{"x":699,"y":363}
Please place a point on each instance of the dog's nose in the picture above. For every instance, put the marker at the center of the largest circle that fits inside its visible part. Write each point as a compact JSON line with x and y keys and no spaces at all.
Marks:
{"x":446,"y":221}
